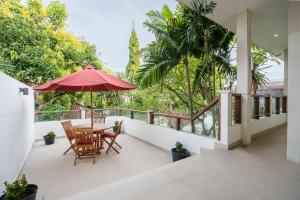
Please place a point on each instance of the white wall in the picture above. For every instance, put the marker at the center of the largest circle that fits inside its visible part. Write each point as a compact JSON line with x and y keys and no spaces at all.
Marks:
{"x":16,"y":127}
{"x":165,"y":137}
{"x":293,"y":136}
{"x":232,"y":133}
{"x":42,"y":128}
{"x":265,"y":123}
{"x":157,"y":135}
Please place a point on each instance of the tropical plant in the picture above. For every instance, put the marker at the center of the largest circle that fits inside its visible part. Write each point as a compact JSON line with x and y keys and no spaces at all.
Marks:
{"x":16,"y":189}
{"x":51,"y":134}
{"x":179,"y":147}
{"x":180,"y":42}
{"x":116,"y":123}
{"x":172,"y":47}
{"x":260,"y":59}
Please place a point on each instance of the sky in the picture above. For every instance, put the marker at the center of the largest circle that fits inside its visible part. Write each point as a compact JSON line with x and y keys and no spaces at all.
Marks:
{"x":108,"y":25}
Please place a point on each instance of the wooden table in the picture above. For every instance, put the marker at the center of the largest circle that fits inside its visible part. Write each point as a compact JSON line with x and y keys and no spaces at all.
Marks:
{"x":98,"y":129}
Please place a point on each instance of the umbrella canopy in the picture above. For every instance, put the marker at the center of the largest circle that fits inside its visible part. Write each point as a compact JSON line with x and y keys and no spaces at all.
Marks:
{"x":87,"y":79}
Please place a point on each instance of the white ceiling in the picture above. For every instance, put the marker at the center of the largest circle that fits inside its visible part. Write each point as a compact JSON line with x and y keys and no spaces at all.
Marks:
{"x":269,"y":17}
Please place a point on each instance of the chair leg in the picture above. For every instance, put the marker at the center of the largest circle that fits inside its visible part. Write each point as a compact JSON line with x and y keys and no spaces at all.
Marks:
{"x":75,"y":160}
{"x":118,"y":145}
{"x":106,"y":141}
{"x":94,"y":159}
{"x":68,"y":150}
{"x":111,"y":146}
{"x":115,"y":149}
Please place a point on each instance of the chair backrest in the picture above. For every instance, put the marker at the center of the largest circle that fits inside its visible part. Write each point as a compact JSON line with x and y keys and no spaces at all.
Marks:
{"x":119,"y":129}
{"x":83,"y":136}
{"x":67,"y":125}
{"x":99,"y":119}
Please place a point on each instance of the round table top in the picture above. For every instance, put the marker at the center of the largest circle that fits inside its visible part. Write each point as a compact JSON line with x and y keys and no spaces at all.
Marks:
{"x":96,"y":126}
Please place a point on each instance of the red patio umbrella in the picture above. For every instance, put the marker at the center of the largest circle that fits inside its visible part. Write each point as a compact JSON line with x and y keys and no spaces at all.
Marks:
{"x":88,"y":79}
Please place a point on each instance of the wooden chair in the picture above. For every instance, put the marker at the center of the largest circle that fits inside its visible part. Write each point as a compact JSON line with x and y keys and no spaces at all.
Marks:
{"x":67,"y":125}
{"x":110,"y":138}
{"x":99,"y":119}
{"x":84,"y":144}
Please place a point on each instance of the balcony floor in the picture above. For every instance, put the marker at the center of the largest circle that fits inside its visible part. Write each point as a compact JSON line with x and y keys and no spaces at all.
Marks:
{"x":259,"y":171}
{"x":57,"y":178}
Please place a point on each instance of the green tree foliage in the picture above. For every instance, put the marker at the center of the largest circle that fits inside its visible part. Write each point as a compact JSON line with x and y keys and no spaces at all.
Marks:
{"x":35,"y":47}
{"x":57,"y":14}
{"x":178,"y":59}
{"x":260,"y":59}
{"x":134,"y":56}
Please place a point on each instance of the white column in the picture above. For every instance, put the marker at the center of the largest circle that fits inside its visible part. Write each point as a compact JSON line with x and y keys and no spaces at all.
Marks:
{"x":243,"y":33}
{"x":226,"y":108}
{"x":286,"y":64}
{"x":293,"y":133}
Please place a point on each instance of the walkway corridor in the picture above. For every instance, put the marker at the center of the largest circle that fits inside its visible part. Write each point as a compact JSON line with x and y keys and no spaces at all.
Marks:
{"x":259,"y":171}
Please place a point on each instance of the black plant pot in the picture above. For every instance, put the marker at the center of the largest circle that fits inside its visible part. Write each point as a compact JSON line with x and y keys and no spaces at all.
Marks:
{"x":180,"y":155}
{"x":115,"y":129}
{"x":49,"y":140}
{"x":30,"y":193}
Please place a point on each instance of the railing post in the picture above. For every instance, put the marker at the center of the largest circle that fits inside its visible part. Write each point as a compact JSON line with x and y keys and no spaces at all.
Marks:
{"x":256,"y":107}
{"x":150,"y":117}
{"x":131,"y":114}
{"x":277,"y":105}
{"x":284,"y":102}
{"x":178,"y":124}
{"x":237,"y":109}
{"x":267,"y":106}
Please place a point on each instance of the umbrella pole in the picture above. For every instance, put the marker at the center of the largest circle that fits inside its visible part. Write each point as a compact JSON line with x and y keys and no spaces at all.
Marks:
{"x":92,"y":113}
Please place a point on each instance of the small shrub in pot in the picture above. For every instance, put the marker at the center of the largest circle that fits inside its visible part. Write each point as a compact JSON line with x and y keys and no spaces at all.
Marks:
{"x":49,"y":138}
{"x":179,"y":152}
{"x":19,"y":189}
{"x":115,"y":127}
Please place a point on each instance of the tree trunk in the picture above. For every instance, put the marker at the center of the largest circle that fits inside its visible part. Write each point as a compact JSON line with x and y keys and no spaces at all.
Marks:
{"x":253,"y":83}
{"x":206,"y":55}
{"x":254,"y":86}
{"x":188,"y":81}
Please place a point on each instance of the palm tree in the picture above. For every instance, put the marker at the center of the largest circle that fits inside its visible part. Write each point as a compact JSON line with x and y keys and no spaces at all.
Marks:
{"x":261,"y":60}
{"x":175,"y":42}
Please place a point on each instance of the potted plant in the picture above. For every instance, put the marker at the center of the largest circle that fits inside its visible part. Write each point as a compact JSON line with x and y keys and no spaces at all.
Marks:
{"x":115,"y":127}
{"x":49,"y":138}
{"x":179,"y":152}
{"x":19,"y":189}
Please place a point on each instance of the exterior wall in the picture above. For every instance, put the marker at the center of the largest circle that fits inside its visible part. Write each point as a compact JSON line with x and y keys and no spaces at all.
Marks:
{"x":16,"y":125}
{"x":165,"y":137}
{"x":293,"y":136}
{"x":160,"y":136}
{"x":42,"y":128}
{"x":231,"y":134}
{"x":265,"y":123}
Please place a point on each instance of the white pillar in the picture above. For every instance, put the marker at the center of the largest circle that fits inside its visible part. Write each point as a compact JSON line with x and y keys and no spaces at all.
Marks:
{"x":293,"y":133}
{"x":243,"y":33}
{"x":226,"y":108}
{"x":286,"y":64}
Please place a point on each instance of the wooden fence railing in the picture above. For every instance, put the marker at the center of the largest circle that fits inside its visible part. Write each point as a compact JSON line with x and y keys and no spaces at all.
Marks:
{"x":266,"y":105}
{"x":262,"y":106}
{"x":206,"y":122}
